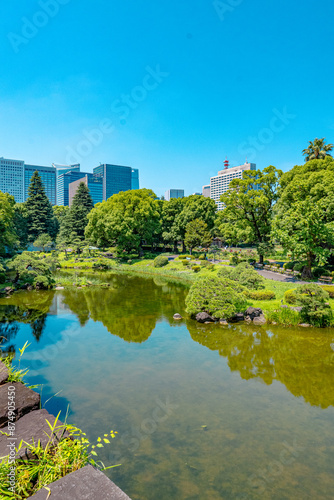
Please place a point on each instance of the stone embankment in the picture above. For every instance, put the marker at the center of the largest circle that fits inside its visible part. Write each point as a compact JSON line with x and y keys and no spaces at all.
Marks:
{"x":28,"y":423}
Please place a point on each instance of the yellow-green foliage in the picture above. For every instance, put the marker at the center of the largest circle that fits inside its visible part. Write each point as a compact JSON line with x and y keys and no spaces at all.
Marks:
{"x":290,"y":297}
{"x":196,"y":269}
{"x":329,"y":289}
{"x":260,"y":294}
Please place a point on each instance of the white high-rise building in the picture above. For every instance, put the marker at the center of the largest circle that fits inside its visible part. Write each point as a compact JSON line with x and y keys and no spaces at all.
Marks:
{"x":220,"y":183}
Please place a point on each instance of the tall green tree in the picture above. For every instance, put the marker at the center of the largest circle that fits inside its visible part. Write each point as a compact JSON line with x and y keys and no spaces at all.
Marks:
{"x":127,"y":220}
{"x":8,"y":236}
{"x":194,"y":207}
{"x":75,"y":220}
{"x":317,"y":150}
{"x":304,"y":214}
{"x":39,"y":210}
{"x":248,"y":211}
{"x":197,"y":234}
{"x":170,"y":210}
{"x":21,"y":224}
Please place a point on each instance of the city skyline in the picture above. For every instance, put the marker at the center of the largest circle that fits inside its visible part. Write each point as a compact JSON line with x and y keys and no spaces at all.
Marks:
{"x":184,"y":85}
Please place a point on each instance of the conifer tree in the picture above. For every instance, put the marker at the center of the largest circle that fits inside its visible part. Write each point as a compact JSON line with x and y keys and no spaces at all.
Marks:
{"x":39,"y":210}
{"x":75,"y":220}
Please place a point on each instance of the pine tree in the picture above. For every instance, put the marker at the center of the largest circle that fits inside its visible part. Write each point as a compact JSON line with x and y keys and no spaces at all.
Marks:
{"x":75,"y":220}
{"x":39,"y":210}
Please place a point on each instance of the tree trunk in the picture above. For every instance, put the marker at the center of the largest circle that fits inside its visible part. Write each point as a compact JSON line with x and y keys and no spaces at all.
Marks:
{"x":183,"y":247}
{"x":261,"y":259}
{"x":175,"y":247}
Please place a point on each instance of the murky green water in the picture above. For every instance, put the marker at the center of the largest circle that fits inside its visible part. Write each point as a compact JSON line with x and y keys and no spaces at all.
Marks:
{"x":202,"y":412}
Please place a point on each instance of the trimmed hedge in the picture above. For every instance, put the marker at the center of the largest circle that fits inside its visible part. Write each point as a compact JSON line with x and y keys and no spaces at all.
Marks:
{"x":185,"y":256}
{"x":196,"y":269}
{"x":160,"y":261}
{"x":260,"y":294}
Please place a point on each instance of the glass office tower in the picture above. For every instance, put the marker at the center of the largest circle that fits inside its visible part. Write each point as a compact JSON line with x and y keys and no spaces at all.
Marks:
{"x":116,"y":178}
{"x":48,"y":176}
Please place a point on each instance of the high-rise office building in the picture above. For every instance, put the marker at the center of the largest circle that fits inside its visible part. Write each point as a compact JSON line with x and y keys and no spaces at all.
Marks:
{"x":135,"y":178}
{"x":116,"y":178}
{"x":63,"y":182}
{"x":174,"y":193}
{"x":206,"y":191}
{"x":12,"y":178}
{"x":220,"y":183}
{"x":94,"y":184}
{"x":48,"y":176}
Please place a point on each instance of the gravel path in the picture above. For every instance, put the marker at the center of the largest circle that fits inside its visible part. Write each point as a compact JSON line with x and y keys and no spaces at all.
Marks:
{"x":281,"y":277}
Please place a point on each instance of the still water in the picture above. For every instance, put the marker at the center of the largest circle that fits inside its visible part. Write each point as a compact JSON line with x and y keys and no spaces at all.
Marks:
{"x":203,"y":412}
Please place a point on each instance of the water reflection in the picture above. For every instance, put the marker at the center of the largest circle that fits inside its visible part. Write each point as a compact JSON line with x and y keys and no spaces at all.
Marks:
{"x":302,"y":360}
{"x":28,"y":308}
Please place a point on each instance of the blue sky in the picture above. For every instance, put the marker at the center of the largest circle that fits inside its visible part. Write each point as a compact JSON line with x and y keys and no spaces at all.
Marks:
{"x":169,"y":87}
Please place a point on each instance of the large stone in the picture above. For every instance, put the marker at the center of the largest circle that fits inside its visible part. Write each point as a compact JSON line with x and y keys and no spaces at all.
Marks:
{"x":25,"y":401}
{"x":3,"y":372}
{"x":253,"y":312}
{"x":87,"y":483}
{"x":260,"y":320}
{"x":237,"y":317}
{"x":297,"y":308}
{"x":177,"y":316}
{"x":32,"y":427}
{"x":202,"y":317}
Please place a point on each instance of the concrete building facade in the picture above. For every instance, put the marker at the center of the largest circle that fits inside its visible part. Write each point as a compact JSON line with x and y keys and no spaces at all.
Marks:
{"x":94,"y":184}
{"x":220,"y":183}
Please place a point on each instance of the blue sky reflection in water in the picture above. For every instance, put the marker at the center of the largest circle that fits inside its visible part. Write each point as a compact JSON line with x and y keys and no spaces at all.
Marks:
{"x":202,"y":412}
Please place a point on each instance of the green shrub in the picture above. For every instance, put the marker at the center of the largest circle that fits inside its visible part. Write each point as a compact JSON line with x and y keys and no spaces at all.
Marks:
{"x":299,"y":267}
{"x":329,"y":289}
{"x":2,"y":273}
{"x":185,"y":256}
{"x":290,"y":297}
{"x":160,"y":261}
{"x":186,"y":262}
{"x":201,"y":257}
{"x":32,"y":269}
{"x":220,"y":299}
{"x":129,"y":261}
{"x":210,"y":267}
{"x":289,"y":265}
{"x":283,"y":316}
{"x":244,"y":274}
{"x":260,"y":294}
{"x":196,"y":269}
{"x":149,"y":255}
{"x":318,"y":271}
{"x":314,"y":301}
{"x":234,"y":259}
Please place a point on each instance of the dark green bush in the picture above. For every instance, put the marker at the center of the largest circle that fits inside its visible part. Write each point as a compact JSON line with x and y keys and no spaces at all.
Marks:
{"x":299,"y":267}
{"x":129,"y":261}
{"x":260,"y":294}
{"x":2,"y":273}
{"x":289,"y":265}
{"x":160,"y":261}
{"x":320,"y":271}
{"x":29,"y":268}
{"x":220,"y":299}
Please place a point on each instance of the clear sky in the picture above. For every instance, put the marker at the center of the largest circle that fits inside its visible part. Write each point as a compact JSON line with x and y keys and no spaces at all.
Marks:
{"x":171,"y":87}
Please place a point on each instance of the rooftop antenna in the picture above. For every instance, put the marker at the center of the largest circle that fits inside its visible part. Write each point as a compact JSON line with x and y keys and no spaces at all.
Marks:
{"x":226,"y":164}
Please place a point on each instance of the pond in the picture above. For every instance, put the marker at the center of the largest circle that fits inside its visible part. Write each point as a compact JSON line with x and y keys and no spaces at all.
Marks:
{"x":202,"y":411}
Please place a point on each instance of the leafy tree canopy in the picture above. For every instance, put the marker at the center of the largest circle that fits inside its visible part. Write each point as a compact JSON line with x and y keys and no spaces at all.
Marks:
{"x":249,"y":203}
{"x":197,"y":234}
{"x":126,"y":219}
{"x":8,"y":236}
{"x":304,"y":215}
